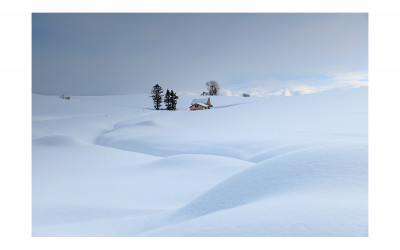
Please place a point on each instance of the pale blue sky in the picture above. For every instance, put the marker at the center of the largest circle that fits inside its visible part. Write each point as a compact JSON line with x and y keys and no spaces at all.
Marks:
{"x":102,"y":54}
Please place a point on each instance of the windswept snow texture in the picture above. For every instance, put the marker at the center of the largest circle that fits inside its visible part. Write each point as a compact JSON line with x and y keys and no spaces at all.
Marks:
{"x":279,"y":166}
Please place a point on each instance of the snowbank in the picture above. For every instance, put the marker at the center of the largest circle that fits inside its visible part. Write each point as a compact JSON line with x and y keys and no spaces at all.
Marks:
{"x":280,"y":166}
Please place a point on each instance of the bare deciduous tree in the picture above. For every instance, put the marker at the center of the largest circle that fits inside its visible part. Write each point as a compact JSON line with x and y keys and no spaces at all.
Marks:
{"x":213,"y":87}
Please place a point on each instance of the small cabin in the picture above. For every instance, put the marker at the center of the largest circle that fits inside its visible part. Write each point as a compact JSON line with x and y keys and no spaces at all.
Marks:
{"x":200,"y":104}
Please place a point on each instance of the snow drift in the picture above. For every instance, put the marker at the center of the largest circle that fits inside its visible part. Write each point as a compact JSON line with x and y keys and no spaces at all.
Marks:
{"x":280,"y":166}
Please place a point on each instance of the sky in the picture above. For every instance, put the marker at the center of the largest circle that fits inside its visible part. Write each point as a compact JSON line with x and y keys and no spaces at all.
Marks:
{"x":263,"y":54}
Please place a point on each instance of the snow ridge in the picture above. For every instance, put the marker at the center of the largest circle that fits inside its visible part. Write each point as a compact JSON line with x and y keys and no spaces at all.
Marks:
{"x":280,"y":166}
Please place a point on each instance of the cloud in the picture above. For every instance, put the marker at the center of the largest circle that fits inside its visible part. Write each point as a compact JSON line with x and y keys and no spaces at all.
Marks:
{"x":351,"y":79}
{"x":227,"y":92}
{"x":96,"y":54}
{"x":302,"y":86}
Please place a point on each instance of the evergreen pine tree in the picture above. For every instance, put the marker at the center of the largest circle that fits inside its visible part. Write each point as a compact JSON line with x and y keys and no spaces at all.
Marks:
{"x":157,"y":96}
{"x":167,"y":100}
{"x":174,"y":99}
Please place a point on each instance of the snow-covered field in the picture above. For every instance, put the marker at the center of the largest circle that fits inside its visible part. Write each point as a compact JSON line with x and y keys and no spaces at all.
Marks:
{"x":279,"y":166}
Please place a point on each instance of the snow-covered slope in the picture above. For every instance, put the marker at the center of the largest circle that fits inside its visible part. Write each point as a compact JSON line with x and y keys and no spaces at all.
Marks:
{"x":279,"y":166}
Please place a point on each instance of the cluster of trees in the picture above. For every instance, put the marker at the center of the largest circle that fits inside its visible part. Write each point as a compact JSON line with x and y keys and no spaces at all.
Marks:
{"x":170,"y":98}
{"x":65,"y":97}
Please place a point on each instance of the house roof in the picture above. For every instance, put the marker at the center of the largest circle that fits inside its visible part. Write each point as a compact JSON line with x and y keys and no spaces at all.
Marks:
{"x":199,"y":101}
{"x":200,"y":104}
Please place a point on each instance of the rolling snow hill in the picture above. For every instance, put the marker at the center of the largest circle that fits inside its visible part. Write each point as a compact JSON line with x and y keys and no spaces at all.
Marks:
{"x":279,"y":166}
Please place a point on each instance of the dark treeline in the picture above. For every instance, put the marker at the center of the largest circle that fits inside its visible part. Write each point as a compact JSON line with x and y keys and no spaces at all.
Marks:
{"x":170,"y":98}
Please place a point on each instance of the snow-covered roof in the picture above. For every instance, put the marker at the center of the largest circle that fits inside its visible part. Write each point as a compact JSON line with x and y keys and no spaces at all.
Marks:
{"x":201,"y":104}
{"x":199,"y":101}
